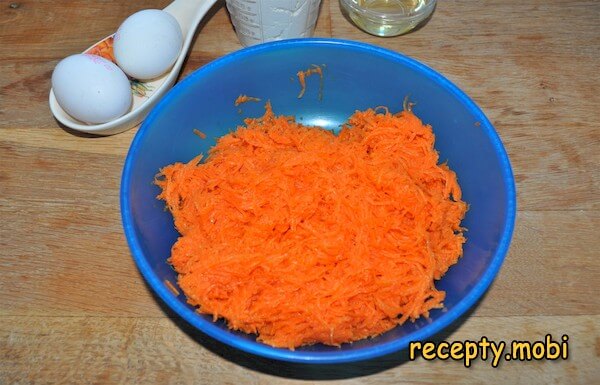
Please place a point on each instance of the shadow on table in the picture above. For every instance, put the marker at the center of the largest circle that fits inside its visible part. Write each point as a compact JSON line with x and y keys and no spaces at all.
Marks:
{"x":300,"y":370}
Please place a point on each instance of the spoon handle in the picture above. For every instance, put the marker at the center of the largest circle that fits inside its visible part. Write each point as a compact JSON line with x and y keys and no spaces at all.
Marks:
{"x":189,"y":13}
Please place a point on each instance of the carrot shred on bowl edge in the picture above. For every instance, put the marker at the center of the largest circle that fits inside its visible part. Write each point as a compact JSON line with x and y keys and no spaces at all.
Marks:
{"x":302,"y":237}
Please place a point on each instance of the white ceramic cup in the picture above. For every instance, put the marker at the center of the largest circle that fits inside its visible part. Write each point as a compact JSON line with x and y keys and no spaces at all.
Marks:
{"x":259,"y":21}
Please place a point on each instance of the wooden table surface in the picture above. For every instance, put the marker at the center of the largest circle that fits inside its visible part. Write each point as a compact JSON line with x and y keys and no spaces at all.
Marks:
{"x":74,"y":308}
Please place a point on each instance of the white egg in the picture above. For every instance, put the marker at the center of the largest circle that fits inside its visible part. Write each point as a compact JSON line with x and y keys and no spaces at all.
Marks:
{"x":148,"y":43}
{"x":91,"y":88}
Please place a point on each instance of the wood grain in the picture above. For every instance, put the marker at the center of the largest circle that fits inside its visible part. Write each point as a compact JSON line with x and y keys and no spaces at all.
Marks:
{"x":98,"y":350}
{"x":74,"y":309}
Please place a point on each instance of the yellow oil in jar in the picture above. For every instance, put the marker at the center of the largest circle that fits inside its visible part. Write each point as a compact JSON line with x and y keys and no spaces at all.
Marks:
{"x":389,"y":17}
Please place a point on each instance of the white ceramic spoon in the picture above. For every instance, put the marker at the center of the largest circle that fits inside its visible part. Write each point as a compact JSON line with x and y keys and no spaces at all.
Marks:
{"x":189,"y":13}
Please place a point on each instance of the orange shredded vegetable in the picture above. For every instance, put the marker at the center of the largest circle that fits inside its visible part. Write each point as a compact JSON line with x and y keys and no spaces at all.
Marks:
{"x":104,"y":49}
{"x":245,"y":99}
{"x":199,"y":133}
{"x":171,"y":287}
{"x":304,"y":237}
{"x":302,"y":75}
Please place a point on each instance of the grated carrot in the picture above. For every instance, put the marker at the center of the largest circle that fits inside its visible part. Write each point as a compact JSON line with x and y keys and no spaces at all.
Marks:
{"x":199,"y":133}
{"x":171,"y":287}
{"x":302,"y":237}
{"x":245,"y":99}
{"x":302,"y":75}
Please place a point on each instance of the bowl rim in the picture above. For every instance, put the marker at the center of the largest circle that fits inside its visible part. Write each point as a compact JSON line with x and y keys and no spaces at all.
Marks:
{"x":316,"y":357}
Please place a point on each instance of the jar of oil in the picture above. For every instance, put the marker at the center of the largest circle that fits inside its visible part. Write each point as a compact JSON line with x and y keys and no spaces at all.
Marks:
{"x":387,"y":17}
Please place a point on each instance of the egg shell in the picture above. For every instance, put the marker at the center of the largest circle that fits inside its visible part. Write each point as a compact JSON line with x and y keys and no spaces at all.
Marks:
{"x":91,"y":88}
{"x":148,"y":43}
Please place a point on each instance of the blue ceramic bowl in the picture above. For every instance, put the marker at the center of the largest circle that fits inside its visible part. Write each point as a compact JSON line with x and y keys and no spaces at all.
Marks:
{"x":357,"y":76}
